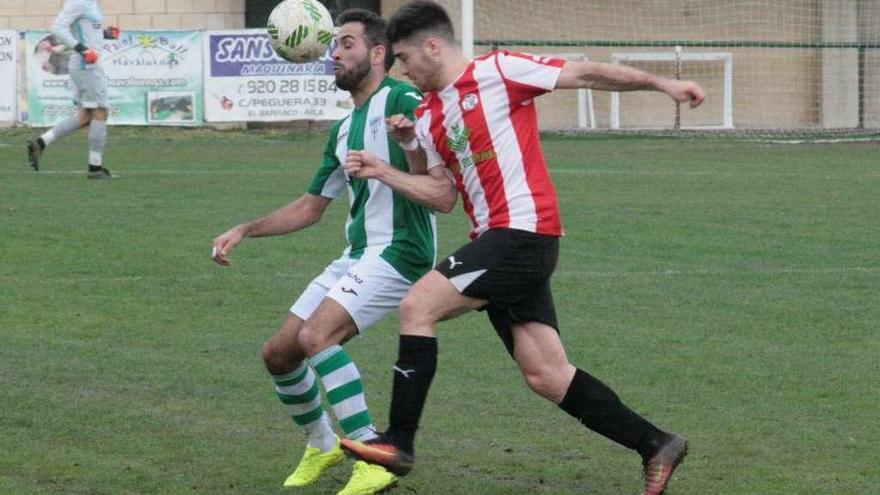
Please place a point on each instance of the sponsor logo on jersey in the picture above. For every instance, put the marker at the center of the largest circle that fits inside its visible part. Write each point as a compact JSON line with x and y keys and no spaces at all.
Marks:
{"x":457,"y":141}
{"x":458,"y":138}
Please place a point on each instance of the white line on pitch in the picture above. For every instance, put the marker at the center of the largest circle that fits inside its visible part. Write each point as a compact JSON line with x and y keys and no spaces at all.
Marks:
{"x":556,"y":171}
{"x":153,"y":172}
{"x":699,"y":272}
{"x":660,"y":173}
{"x":560,"y":273}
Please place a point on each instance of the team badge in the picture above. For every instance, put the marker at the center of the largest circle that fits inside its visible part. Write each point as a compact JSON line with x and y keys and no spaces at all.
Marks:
{"x":469,"y":102}
{"x":374,"y":126}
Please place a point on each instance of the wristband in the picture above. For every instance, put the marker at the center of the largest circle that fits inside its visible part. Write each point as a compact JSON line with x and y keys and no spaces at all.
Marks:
{"x":411,"y":145}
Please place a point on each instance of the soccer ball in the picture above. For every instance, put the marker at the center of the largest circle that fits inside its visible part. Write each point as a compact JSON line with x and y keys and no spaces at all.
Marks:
{"x":300,"y":30}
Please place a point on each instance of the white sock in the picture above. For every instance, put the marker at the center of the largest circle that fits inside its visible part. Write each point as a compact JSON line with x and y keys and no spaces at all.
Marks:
{"x":321,"y":434}
{"x":97,"y":140}
{"x":61,"y":129}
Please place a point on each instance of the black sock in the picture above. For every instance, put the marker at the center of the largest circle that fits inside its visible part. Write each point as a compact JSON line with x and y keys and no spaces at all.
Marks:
{"x":41,"y":143}
{"x":413,"y":372}
{"x":598,"y":408}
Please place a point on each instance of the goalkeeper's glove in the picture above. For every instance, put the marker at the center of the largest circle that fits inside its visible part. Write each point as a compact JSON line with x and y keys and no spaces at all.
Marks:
{"x":88,"y":54}
{"x":112,"y":33}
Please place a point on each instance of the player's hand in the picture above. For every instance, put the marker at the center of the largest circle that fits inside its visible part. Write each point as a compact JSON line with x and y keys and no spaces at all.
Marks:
{"x":225,"y":243}
{"x":401,"y":128}
{"x":88,"y":54}
{"x":363,"y":164}
{"x":686,"y":92}
{"x":112,"y":33}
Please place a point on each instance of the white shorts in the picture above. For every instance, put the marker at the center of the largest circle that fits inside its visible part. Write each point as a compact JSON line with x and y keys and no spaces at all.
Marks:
{"x":89,"y":83}
{"x":368,"y":289}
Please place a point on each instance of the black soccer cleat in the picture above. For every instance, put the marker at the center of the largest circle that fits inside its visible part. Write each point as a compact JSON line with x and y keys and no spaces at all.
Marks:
{"x":381,"y":451}
{"x":99,"y":173}
{"x":34,"y":152}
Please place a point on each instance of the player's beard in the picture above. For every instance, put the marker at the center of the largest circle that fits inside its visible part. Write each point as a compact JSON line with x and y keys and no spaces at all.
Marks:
{"x":348,"y":80}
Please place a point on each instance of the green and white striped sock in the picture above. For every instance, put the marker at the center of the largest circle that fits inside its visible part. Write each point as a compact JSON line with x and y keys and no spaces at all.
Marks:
{"x":299,"y":392}
{"x":345,"y":391}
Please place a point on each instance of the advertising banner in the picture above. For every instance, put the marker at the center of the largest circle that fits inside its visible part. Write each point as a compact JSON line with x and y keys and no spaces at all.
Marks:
{"x":246,"y":81}
{"x":153,"y":77}
{"x":9,"y":69}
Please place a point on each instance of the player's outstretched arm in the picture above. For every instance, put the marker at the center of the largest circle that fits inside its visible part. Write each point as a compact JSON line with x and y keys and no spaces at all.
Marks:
{"x":613,"y":77}
{"x":434,"y":189}
{"x":297,"y":215}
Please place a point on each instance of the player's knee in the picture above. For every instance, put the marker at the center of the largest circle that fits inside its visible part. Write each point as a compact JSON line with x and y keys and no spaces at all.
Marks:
{"x":544,"y":382}
{"x":313,"y":341}
{"x":412,"y":313}
{"x":279,"y":359}
{"x":537,"y":382}
{"x":269,"y":354}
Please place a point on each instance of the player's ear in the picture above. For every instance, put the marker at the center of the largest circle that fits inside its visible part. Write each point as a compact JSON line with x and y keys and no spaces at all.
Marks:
{"x":432,"y":46}
{"x":377,"y":55}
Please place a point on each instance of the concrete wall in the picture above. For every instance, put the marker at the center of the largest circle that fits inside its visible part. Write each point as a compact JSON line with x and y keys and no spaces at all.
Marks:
{"x":840,"y":94}
{"x":869,"y":30}
{"x":132,"y":14}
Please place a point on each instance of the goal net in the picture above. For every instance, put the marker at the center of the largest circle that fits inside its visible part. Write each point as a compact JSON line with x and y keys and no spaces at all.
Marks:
{"x":770,"y":67}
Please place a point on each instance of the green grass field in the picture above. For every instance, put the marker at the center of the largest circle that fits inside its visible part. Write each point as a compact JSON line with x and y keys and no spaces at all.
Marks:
{"x":727,"y":290}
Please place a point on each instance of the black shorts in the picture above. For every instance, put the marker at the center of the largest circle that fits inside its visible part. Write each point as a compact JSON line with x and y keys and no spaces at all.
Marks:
{"x":511,"y":269}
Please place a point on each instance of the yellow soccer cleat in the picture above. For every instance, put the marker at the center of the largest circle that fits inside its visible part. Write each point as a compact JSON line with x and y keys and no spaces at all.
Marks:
{"x":368,"y":479}
{"x":312,"y":464}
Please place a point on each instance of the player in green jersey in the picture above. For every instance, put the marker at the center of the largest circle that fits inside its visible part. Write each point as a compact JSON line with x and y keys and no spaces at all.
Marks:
{"x":392,"y":243}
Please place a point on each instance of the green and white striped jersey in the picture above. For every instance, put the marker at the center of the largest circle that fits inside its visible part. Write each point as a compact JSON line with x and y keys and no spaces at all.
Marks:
{"x":380,"y":220}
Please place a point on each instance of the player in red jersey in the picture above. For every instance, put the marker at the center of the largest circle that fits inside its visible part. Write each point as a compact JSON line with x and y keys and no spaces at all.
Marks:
{"x":478,"y":125}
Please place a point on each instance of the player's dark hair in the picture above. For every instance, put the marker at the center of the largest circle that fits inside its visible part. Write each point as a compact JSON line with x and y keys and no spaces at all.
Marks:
{"x":419,"y":18}
{"x":374,"y":30}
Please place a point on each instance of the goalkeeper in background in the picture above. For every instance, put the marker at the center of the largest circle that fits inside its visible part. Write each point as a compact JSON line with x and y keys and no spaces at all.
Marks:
{"x":392,"y":242}
{"x":79,"y":26}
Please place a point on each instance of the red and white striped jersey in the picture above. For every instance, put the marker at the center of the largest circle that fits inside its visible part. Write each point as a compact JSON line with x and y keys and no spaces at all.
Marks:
{"x":484,"y":128}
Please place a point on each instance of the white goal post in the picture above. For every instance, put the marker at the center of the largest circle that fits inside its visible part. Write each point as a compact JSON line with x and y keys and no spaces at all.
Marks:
{"x":678,"y":56}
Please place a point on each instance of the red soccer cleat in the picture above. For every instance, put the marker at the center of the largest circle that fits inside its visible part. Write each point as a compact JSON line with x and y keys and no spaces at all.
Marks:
{"x":382,"y":451}
{"x":659,"y":469}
